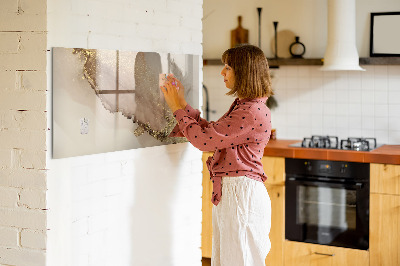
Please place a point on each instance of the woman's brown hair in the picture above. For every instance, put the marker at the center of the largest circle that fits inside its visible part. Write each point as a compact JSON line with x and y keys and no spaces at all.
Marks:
{"x":250,"y":66}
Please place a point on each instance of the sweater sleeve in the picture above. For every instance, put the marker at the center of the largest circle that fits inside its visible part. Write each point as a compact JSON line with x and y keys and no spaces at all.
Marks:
{"x":193,"y":113}
{"x":232,"y":130}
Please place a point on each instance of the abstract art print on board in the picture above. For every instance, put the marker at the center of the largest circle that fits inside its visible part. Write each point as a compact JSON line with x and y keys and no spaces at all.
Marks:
{"x":110,"y":100}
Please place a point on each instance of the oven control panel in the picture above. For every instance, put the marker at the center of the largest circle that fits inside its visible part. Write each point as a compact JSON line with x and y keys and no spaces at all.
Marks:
{"x":325,"y":167}
{"x":338,"y":169}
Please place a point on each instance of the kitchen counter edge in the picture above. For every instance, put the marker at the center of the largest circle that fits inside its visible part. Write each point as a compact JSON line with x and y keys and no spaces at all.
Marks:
{"x":385,"y":154}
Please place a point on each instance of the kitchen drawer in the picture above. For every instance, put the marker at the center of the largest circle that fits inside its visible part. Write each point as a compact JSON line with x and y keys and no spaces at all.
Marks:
{"x":305,"y":254}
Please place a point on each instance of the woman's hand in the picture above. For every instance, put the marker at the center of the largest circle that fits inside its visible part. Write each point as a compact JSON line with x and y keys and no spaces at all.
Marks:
{"x":174,"y":94}
{"x":181,"y":91}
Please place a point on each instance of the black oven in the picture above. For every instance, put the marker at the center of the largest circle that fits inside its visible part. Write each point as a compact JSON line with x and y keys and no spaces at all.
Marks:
{"x":327,"y":202}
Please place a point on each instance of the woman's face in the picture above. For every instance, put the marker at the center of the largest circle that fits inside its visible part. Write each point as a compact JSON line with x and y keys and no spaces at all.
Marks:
{"x":229,"y":76}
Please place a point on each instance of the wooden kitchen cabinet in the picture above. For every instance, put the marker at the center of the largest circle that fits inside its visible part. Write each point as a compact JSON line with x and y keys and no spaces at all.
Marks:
{"x":384,"y":236}
{"x":385,"y":178}
{"x":206,"y":225}
{"x":274,"y":168}
{"x":305,"y":254}
{"x":277,"y":233}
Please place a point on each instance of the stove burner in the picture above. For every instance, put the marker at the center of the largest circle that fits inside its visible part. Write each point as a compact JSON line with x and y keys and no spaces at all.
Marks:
{"x":358,"y":144}
{"x":328,"y":142}
{"x":332,"y":142}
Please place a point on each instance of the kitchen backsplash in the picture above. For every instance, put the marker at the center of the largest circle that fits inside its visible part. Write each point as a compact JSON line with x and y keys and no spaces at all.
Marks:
{"x":314,"y":102}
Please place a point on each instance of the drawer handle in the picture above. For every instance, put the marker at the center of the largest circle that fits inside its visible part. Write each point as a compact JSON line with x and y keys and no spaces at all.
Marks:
{"x":324,"y":254}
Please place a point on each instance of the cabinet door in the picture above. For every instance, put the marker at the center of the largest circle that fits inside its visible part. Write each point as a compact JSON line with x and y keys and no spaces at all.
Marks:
{"x":385,"y":178}
{"x":206,"y":232}
{"x":384,"y":230}
{"x":304,"y":254}
{"x":277,"y":233}
{"x":274,"y":168}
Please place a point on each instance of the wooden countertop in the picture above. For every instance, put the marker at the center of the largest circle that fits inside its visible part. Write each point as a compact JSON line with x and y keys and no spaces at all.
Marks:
{"x":389,"y":154}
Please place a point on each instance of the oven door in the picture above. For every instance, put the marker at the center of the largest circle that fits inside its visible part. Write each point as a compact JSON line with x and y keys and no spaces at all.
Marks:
{"x":327,"y":213}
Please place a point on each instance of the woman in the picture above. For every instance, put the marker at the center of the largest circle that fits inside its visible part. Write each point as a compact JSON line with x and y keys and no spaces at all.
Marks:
{"x":242,"y":208}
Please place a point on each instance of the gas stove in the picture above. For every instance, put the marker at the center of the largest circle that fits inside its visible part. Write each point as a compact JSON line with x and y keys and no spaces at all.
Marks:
{"x":332,"y":142}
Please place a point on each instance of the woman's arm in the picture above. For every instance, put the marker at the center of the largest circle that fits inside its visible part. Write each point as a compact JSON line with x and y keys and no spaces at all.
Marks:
{"x":174,"y":94}
{"x":193,"y":113}
{"x":238,"y":128}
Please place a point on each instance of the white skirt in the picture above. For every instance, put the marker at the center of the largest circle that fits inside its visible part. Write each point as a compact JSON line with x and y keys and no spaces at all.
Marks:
{"x":241,"y":223}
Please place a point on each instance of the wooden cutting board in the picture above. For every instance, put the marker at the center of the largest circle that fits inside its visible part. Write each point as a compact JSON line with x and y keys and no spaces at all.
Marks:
{"x":239,"y":35}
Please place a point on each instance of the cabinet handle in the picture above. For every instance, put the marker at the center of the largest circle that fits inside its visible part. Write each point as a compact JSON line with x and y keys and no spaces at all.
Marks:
{"x":325,"y":254}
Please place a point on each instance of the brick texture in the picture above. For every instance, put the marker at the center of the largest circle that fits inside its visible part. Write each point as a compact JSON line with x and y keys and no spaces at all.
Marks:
{"x":23,"y":119}
{"x":22,"y":139}
{"x":23,"y":126}
{"x":23,"y":178}
{"x":9,"y":237}
{"x":23,"y":218}
{"x":33,"y":199}
{"x":30,"y":52}
{"x":8,"y":197}
{"x":8,"y":80}
{"x":10,"y":42}
{"x":22,"y":100}
{"x":33,"y":239}
{"x":17,"y":256}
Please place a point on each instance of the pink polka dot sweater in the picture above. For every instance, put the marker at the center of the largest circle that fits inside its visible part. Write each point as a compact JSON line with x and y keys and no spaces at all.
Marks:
{"x":238,"y":139}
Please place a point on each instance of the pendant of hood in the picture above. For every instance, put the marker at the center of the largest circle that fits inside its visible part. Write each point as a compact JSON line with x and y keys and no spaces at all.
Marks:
{"x":341,"y":51}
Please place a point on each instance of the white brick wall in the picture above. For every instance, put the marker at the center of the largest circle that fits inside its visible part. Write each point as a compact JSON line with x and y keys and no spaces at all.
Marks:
{"x":9,"y":197}
{"x":23,"y":178}
{"x":33,"y":239}
{"x":108,"y":198}
{"x":9,"y":237}
{"x":23,"y":132}
{"x":134,"y":207}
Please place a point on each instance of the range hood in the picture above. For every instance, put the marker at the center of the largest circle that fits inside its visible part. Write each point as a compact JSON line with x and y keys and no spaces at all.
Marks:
{"x":341,"y":51}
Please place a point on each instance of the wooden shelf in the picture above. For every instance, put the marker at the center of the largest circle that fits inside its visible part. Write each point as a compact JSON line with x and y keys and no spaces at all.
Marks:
{"x":380,"y":61}
{"x":212,"y":62}
{"x":274,"y":63}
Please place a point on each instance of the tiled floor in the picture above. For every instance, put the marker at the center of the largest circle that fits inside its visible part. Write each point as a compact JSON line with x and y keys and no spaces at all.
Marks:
{"x":206,"y":261}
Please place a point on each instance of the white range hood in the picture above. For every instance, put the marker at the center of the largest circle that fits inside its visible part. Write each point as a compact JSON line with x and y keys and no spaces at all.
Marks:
{"x":341,"y":51}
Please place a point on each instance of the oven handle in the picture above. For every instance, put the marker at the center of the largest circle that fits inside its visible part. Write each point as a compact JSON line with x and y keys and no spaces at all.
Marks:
{"x":357,"y":185}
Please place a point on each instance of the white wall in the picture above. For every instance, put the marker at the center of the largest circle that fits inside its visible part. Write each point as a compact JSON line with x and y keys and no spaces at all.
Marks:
{"x":305,"y":18}
{"x":311,"y":102}
{"x":23,"y":133}
{"x":134,"y":207}
{"x":343,"y":104}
